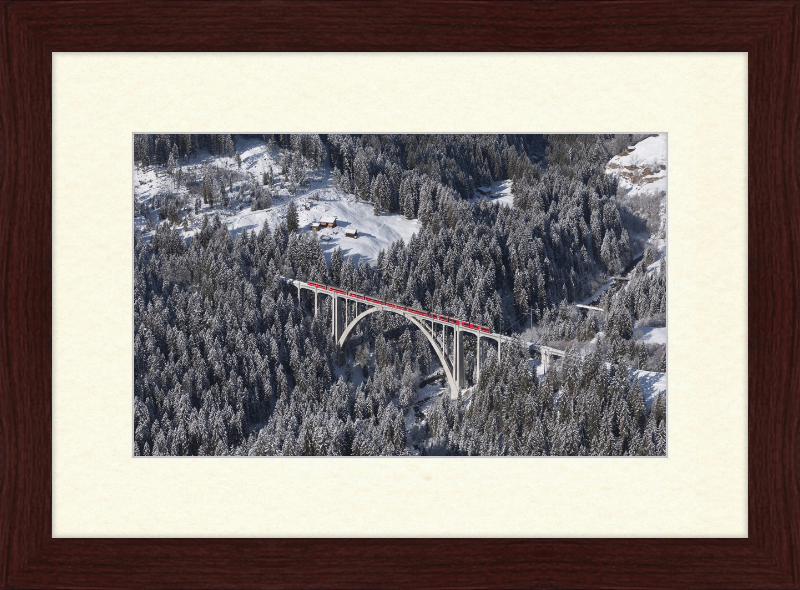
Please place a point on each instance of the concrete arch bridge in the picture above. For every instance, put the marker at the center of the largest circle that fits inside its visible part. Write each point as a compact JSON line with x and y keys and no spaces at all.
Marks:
{"x":350,"y":308}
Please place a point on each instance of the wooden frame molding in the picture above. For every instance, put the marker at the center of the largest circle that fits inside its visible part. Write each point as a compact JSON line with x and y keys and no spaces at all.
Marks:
{"x":32,"y":30}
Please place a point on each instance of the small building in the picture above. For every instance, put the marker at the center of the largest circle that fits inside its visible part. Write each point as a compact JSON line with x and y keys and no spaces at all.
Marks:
{"x":484,"y":192}
{"x":351,"y":233}
{"x":328,"y":221}
{"x":315,"y":226}
{"x":631,"y":148}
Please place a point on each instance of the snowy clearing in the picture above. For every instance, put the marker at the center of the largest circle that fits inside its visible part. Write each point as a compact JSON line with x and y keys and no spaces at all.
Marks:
{"x":375,"y":233}
{"x":318,"y":199}
{"x":651,"y":335}
{"x":498,"y":192}
{"x":652,"y":384}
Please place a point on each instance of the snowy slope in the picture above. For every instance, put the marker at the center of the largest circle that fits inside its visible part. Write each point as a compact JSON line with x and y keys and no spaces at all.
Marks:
{"x":643,"y":169}
{"x":375,"y":233}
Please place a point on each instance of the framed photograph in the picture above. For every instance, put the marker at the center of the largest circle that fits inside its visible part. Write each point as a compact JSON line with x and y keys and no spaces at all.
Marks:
{"x":170,"y":216}
{"x":407,"y":295}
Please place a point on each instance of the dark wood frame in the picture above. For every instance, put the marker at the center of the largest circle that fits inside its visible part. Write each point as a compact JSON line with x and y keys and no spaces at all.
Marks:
{"x":767,"y":30}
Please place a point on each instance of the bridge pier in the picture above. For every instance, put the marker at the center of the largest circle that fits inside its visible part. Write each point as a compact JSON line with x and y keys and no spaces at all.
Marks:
{"x":478,"y":356}
{"x":337,"y":326}
{"x":459,"y":359}
{"x":333,"y":316}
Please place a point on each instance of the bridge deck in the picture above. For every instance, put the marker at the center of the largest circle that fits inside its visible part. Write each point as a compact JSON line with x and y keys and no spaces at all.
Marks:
{"x":404,"y":311}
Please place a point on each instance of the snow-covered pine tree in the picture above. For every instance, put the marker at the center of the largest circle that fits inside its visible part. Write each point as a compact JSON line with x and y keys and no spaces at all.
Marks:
{"x":292,"y":223}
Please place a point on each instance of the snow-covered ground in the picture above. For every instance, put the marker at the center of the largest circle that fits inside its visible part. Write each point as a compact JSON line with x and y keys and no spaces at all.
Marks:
{"x":598,"y":292}
{"x":375,"y":233}
{"x":498,"y":192}
{"x":320,"y":197}
{"x":652,"y":384}
{"x":535,"y":365}
{"x":651,"y":335}
{"x":643,"y":169}
{"x":426,"y":397}
{"x":356,"y":375}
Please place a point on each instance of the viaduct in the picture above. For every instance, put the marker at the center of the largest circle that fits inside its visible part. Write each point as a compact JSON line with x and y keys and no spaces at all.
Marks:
{"x":350,"y":308}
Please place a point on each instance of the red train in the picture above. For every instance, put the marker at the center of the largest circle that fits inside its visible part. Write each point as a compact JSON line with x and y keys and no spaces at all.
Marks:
{"x":419,"y":312}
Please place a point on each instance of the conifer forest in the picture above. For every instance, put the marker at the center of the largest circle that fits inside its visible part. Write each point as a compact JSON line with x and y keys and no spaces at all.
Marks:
{"x":553,"y":247}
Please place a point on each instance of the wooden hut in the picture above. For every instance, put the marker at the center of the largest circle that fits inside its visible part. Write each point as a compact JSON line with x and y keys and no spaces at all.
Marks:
{"x":327,"y":221}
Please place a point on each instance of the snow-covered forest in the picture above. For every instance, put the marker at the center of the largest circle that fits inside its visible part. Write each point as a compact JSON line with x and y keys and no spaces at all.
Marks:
{"x":553,"y":239}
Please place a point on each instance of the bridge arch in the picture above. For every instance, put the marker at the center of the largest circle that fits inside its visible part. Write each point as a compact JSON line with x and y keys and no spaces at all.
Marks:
{"x":439,"y":352}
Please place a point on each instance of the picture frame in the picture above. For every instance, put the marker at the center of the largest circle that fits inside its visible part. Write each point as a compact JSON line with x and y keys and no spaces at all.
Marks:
{"x":768,"y":31}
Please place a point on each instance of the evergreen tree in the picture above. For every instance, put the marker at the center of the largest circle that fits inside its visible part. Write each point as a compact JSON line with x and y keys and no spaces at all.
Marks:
{"x":292,"y":222}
